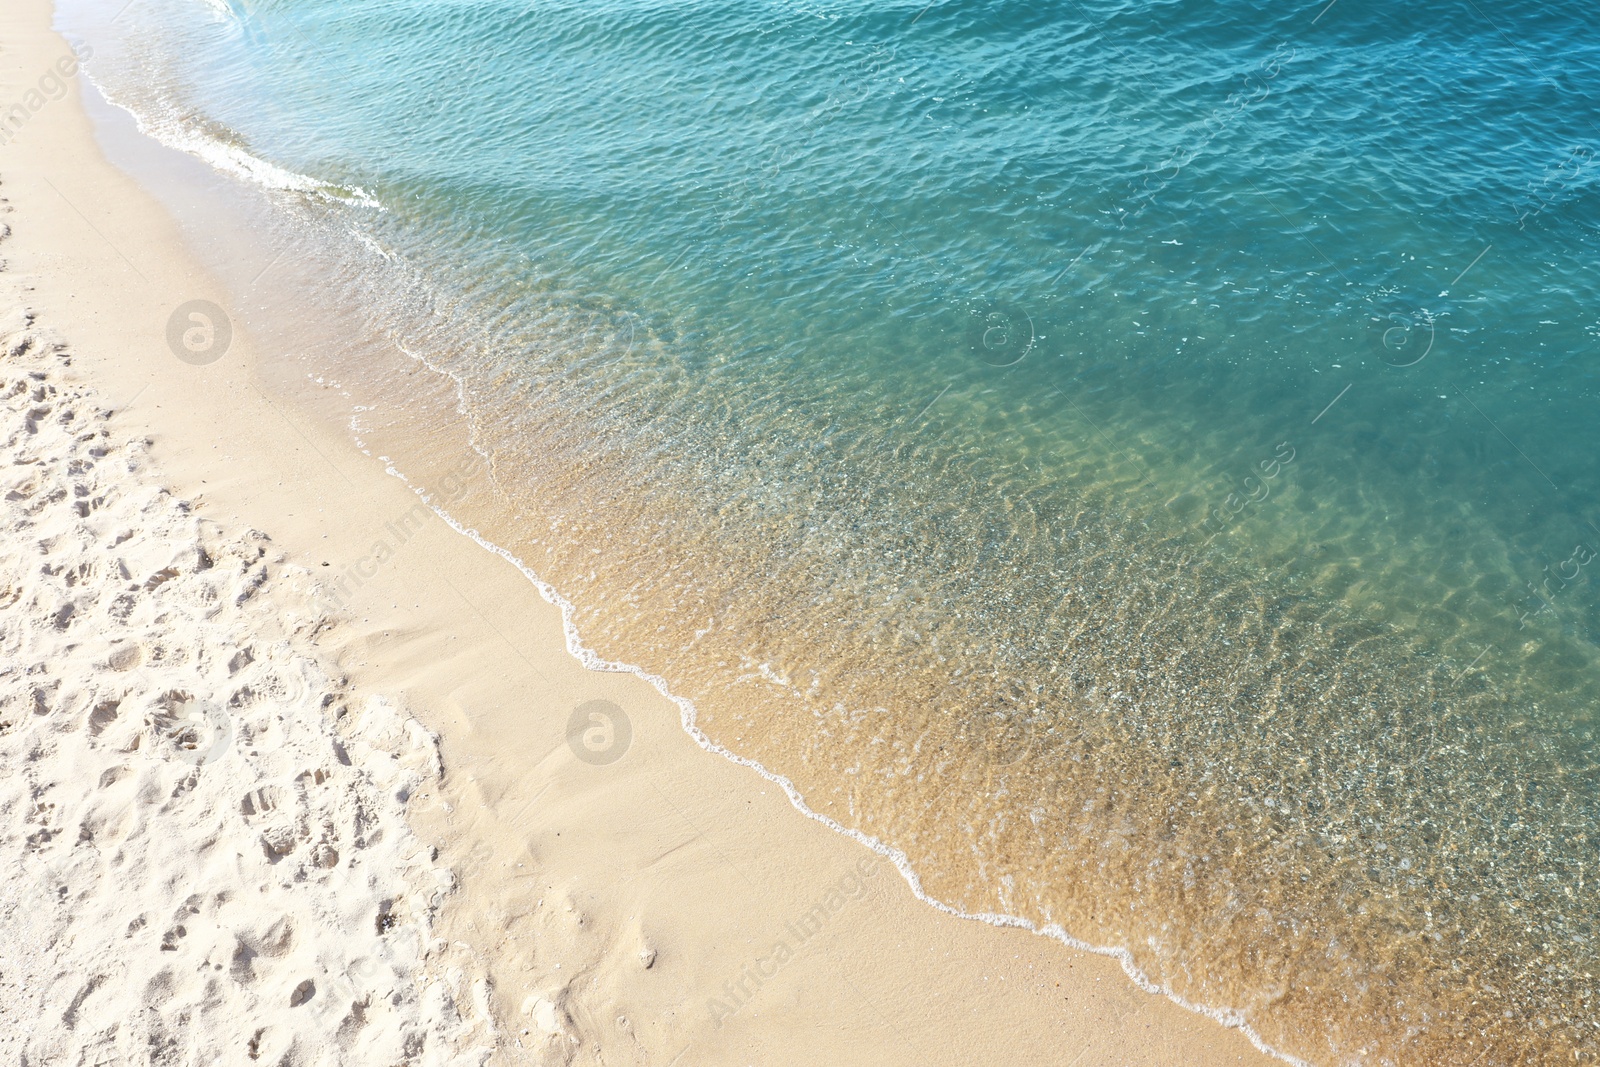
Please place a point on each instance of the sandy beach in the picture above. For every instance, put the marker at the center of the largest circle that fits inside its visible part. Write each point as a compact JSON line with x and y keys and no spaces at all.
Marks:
{"x":294,"y":772}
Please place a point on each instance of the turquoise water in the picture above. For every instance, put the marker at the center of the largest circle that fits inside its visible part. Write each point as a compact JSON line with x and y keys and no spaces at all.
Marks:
{"x":1138,"y":459}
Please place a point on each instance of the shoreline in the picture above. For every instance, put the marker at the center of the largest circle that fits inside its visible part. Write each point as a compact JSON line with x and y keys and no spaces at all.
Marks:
{"x":498,"y":765}
{"x":881,"y":851}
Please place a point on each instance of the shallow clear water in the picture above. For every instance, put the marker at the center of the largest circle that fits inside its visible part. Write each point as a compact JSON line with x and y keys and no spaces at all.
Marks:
{"x":1138,"y":459}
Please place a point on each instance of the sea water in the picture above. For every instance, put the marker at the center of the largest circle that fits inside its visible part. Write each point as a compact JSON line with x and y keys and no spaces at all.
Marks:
{"x":1137,"y":460}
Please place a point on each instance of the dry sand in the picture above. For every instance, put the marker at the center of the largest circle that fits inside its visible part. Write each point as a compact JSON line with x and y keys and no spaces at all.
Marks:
{"x":208,"y":852}
{"x":228,"y":832}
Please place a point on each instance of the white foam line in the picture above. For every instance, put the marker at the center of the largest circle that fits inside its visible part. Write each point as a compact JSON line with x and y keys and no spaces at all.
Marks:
{"x":1230,"y":1018}
{"x":233,"y":160}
